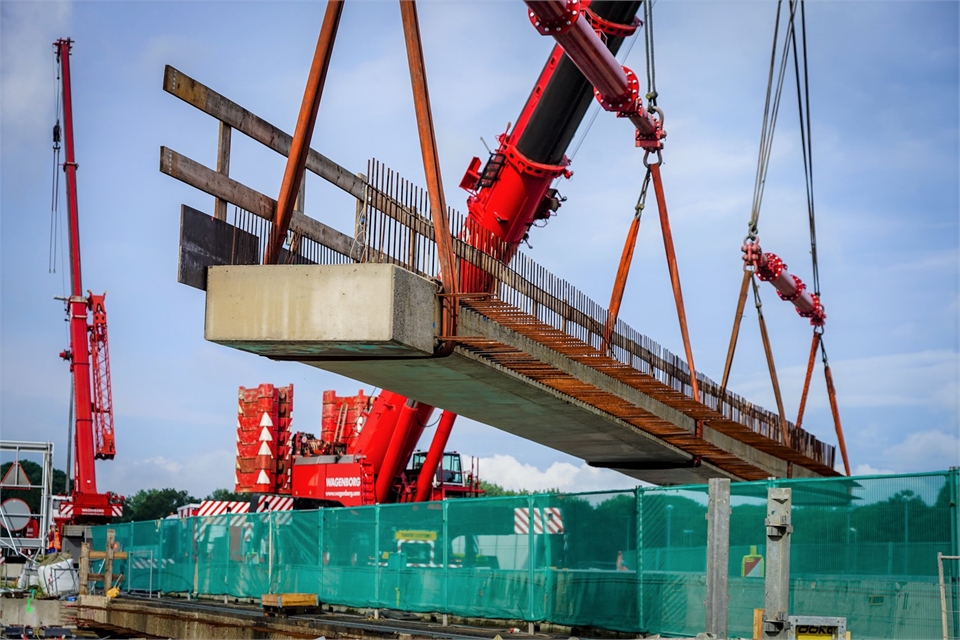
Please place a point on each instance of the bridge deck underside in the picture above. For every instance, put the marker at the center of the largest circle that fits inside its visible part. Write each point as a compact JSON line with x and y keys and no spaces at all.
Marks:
{"x":373,"y":323}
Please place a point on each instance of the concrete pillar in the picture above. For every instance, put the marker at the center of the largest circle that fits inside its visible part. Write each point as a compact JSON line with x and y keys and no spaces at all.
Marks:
{"x":718,"y":556}
{"x":776,"y":596}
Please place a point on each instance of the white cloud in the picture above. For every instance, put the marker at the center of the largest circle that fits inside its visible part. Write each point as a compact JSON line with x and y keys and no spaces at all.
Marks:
{"x":926,"y":379}
{"x":867,"y":470}
{"x":924,"y":450}
{"x":199,"y":473}
{"x":509,"y":473}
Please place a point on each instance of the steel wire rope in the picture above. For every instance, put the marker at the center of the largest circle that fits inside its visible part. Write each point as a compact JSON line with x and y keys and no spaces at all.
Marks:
{"x":771,"y":110}
{"x":651,"y":61}
{"x":55,"y":186}
{"x":806,"y":139}
{"x":770,"y":113}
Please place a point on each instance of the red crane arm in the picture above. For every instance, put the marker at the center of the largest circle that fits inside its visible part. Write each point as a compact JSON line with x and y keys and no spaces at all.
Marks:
{"x":507,"y":195}
{"x":615,"y":86}
{"x":79,"y":352}
{"x":770,"y":268}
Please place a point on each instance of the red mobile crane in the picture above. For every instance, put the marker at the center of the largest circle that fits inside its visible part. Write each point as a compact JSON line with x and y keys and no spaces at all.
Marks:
{"x":88,"y":354}
{"x":359,"y":458}
{"x":364,"y":459}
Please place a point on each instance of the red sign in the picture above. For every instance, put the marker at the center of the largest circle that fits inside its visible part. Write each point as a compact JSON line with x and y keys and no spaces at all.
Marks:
{"x":336,"y":482}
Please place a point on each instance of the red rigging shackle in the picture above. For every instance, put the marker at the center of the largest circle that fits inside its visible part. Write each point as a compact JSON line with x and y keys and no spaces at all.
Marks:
{"x":617,"y":88}
{"x":770,"y":268}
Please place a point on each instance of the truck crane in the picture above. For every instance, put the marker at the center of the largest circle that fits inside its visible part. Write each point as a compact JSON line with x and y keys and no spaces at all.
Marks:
{"x":88,"y":354}
{"x":345,"y":465}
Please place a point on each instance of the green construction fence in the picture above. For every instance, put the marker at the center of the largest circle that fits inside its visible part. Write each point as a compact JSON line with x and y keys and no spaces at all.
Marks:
{"x":864,"y":548}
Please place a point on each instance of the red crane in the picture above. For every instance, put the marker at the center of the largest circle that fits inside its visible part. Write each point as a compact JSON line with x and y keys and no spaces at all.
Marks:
{"x":364,"y":455}
{"x":88,"y":354}
{"x":508,"y":194}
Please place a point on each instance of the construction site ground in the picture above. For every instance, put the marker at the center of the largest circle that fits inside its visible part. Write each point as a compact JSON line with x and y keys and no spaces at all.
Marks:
{"x":166,"y":617}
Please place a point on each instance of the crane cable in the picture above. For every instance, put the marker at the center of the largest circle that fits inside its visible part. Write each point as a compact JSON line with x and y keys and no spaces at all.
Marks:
{"x":771,"y":110}
{"x":648,"y":50}
{"x":55,"y":221}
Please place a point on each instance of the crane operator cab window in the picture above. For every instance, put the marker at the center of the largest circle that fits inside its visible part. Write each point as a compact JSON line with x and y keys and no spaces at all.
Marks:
{"x":450,"y":471}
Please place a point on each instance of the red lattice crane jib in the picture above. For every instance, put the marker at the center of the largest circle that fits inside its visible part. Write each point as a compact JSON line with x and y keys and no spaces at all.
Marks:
{"x":102,"y":394}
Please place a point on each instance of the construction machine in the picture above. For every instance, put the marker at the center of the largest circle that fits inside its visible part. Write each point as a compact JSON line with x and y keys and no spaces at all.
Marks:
{"x":88,"y":354}
{"x":363,"y":455}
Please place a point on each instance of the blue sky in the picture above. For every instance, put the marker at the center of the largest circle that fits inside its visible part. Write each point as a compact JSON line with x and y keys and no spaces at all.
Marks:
{"x":884,"y":92}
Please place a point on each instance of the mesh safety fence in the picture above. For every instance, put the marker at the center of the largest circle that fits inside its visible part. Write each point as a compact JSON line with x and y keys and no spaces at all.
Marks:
{"x":863,"y":548}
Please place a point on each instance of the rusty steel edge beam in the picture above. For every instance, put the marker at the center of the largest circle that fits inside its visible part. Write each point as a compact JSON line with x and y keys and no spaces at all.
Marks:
{"x":216,"y":184}
{"x":225,"y":110}
{"x":659,"y":391}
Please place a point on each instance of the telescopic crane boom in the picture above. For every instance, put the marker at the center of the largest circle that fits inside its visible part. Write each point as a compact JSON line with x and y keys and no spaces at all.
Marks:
{"x":88,"y":354}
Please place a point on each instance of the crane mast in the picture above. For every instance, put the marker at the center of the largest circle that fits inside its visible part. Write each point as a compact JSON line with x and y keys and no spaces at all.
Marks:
{"x":88,"y":354}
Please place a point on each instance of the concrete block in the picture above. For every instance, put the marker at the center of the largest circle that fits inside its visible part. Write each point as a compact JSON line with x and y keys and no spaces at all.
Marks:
{"x":368,"y":310}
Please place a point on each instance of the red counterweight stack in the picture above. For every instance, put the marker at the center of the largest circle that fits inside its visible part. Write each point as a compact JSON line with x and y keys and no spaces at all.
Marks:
{"x":284,"y":440}
{"x":339,"y":422}
{"x":263,"y":439}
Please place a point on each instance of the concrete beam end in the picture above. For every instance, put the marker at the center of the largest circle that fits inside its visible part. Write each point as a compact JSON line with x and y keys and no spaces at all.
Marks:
{"x":310,"y":311}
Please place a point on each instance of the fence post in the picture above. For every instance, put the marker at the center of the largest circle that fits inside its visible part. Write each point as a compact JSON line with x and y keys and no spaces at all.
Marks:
{"x":639,"y":562}
{"x":531,"y":558}
{"x":108,"y":565}
{"x":446,"y":560}
{"x":718,"y":556}
{"x":324,"y":558}
{"x":376,"y":555}
{"x":953,"y":477}
{"x":271,"y":521}
{"x":776,"y":597}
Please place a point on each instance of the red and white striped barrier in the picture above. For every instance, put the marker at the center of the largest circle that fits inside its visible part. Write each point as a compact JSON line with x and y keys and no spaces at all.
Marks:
{"x":220,"y":507}
{"x":275,"y":503}
{"x":552,"y":515}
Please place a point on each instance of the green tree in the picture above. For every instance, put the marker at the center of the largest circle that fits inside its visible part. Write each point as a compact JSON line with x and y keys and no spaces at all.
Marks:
{"x":35,"y":474}
{"x":153,"y":504}
{"x":493,"y":490}
{"x":226,"y":494}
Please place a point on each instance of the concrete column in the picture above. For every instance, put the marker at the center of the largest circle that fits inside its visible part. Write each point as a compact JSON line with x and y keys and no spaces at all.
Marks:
{"x":718,"y":556}
{"x":776,"y":597}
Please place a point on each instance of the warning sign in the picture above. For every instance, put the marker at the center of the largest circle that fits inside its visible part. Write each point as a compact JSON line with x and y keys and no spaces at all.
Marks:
{"x":752,"y":564}
{"x":15,"y":478}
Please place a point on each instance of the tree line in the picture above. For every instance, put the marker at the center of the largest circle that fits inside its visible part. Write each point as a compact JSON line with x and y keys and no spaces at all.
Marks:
{"x":146,"y":504}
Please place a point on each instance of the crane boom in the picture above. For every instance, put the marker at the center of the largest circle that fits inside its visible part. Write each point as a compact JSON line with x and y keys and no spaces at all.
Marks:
{"x":88,"y":354}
